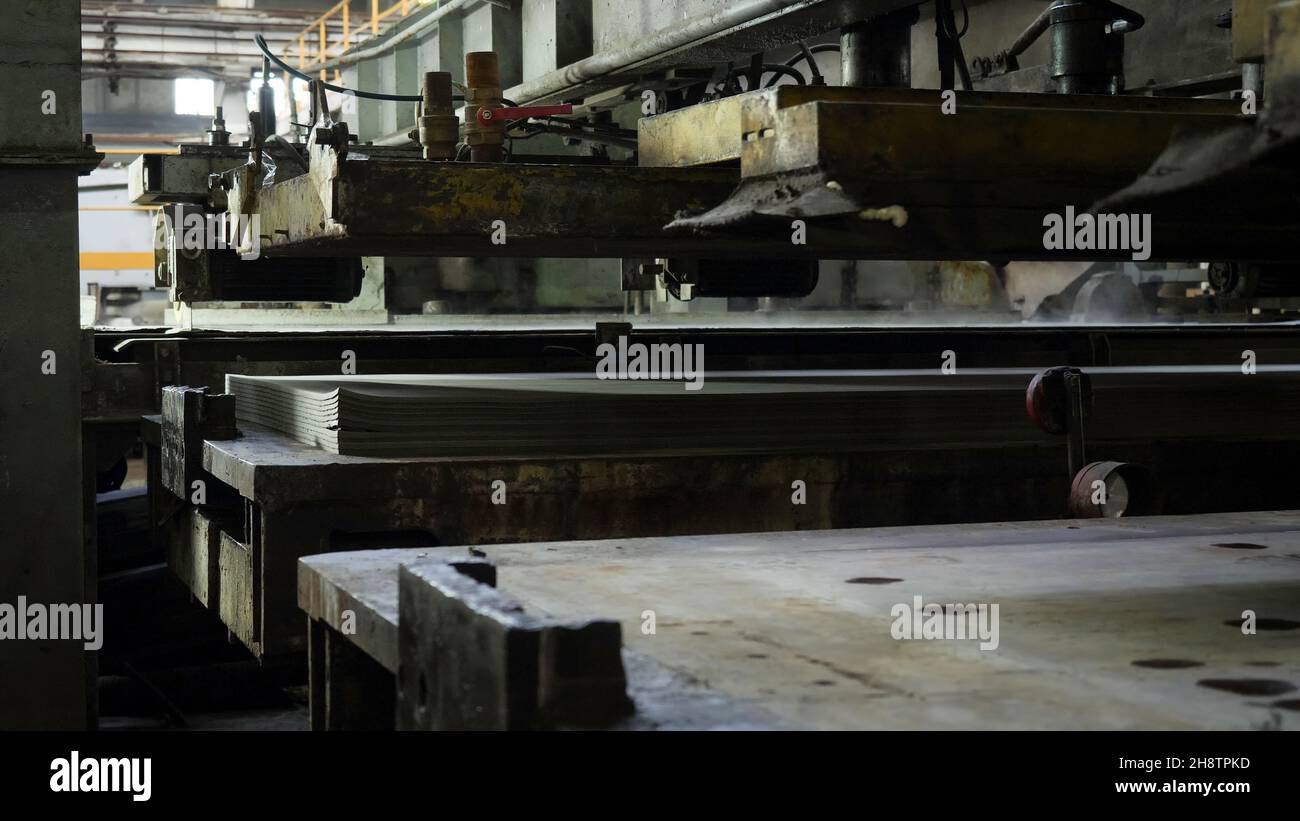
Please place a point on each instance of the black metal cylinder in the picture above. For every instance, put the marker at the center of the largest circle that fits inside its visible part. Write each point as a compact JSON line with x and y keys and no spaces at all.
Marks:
{"x":1087,"y":57}
{"x":878,"y":52}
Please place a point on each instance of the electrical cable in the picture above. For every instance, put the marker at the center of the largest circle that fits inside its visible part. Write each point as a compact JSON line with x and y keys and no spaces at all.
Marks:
{"x":949,"y":21}
{"x":368,"y":95}
{"x":778,"y":69}
{"x":947,"y":26}
{"x":809,"y":55}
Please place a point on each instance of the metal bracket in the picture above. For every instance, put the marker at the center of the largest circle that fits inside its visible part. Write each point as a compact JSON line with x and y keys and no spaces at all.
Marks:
{"x":470,"y":658}
{"x":190,"y":415}
{"x":1059,"y":400}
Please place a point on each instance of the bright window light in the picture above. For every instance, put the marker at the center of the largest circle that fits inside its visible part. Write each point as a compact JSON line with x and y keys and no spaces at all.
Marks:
{"x":277,"y":86}
{"x":196,"y":96}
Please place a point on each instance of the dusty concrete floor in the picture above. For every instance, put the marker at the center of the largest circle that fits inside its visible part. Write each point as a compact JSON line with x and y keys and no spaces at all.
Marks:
{"x":278,"y":719}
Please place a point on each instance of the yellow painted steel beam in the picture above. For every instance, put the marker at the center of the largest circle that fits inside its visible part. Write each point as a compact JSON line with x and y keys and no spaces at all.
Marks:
{"x":341,"y":15}
{"x":135,"y":151}
{"x":116,"y":260}
{"x":120,"y":208}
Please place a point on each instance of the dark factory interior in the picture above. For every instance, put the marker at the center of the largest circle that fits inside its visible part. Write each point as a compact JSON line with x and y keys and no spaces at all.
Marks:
{"x":642,"y":365}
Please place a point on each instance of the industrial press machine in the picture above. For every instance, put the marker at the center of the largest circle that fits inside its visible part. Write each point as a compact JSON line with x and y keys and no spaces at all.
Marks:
{"x":708,"y":158}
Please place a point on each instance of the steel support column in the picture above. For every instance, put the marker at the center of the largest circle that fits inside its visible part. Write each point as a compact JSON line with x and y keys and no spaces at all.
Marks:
{"x":43,"y":682}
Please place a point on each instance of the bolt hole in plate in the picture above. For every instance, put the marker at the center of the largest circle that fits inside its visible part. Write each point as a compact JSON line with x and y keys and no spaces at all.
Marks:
{"x":872,"y":580}
{"x":1241,"y":546}
{"x":1168,"y":664}
{"x":1266,"y":624}
{"x":1248,"y":686}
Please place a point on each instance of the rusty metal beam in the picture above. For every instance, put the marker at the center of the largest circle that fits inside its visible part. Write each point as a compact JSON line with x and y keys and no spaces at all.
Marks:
{"x":368,"y":206}
{"x":1250,"y":29}
{"x":877,"y":173}
{"x":889,"y":174}
{"x":710,"y":132}
{"x":718,"y":130}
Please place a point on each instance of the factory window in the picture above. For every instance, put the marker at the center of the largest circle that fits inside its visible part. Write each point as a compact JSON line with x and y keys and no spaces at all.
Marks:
{"x":281,"y":96}
{"x":196,"y":96}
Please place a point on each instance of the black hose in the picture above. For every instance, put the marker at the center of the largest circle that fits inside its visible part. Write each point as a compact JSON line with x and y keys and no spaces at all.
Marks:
{"x":811,"y":51}
{"x":770,"y":68}
{"x":809,"y":55}
{"x":778,"y":70}
{"x":949,"y":22}
{"x":368,"y":95}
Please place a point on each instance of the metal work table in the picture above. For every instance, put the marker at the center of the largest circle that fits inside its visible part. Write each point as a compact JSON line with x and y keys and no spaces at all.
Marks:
{"x":1104,"y":624}
{"x":960,"y":449}
{"x":292,"y":500}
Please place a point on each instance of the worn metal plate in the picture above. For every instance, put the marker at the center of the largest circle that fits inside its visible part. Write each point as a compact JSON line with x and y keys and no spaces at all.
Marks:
{"x":796,"y":628}
{"x":365,"y":583}
{"x":893,"y":176}
{"x":711,"y":132}
{"x":876,"y":118}
{"x":779,"y":621}
{"x":361,"y":206}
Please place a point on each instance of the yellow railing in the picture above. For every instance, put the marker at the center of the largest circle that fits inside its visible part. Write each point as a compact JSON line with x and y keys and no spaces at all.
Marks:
{"x":336,"y":31}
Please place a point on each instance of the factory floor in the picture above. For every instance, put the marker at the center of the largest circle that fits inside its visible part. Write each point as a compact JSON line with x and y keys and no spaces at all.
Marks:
{"x":168,"y":663}
{"x":287,"y":719}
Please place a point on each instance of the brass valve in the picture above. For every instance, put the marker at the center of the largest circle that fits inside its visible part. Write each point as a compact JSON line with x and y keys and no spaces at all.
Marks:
{"x":486,"y":138}
{"x":439,"y":128}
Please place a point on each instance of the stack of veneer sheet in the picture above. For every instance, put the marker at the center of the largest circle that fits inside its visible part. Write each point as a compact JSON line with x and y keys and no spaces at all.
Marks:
{"x":569,"y":414}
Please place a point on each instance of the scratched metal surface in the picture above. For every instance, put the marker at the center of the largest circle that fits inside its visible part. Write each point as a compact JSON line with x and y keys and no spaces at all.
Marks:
{"x":1103,"y":624}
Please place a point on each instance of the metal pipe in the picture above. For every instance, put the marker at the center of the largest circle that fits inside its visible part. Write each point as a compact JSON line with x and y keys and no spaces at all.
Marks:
{"x":223,"y":55}
{"x":1087,"y":54}
{"x":1031,"y":34}
{"x":1252,"y":79}
{"x":208,"y":10}
{"x":647,"y":48}
{"x":211,"y":36}
{"x":439,"y":128}
{"x":171,"y":21}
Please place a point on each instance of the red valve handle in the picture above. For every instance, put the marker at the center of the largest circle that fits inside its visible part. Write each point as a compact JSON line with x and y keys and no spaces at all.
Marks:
{"x":490,"y":115}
